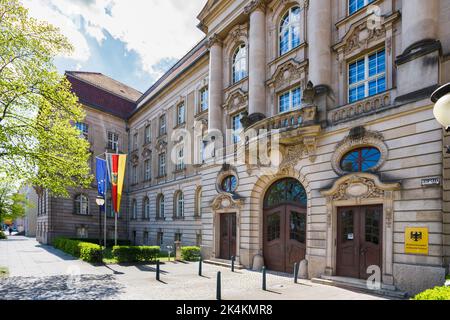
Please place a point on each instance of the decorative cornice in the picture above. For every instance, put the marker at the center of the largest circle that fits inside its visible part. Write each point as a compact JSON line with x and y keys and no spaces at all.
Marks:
{"x":215,"y":39}
{"x":255,"y":5}
{"x":226,"y":201}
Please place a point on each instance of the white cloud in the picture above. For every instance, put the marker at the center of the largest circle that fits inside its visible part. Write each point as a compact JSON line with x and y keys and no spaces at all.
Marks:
{"x":155,"y":29}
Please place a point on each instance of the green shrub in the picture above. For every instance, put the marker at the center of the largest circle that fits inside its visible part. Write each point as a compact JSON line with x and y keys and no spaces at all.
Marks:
{"x":135,"y":253}
{"x":90,"y":252}
{"x":3,"y":235}
{"x":190,"y":253}
{"x":109,"y":242}
{"x":437,"y":293}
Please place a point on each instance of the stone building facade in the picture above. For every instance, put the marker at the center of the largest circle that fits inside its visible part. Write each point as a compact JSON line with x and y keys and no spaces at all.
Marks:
{"x":325,"y":145}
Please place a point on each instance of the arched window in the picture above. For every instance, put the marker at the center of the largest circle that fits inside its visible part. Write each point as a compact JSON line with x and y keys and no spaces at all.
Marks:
{"x":284,"y":192}
{"x":179,"y":204}
{"x":134,"y":209}
{"x":361,"y":159}
{"x":240,"y":63}
{"x":160,"y":206}
{"x":146,"y":208}
{"x":290,"y":30}
{"x":81,"y":204}
{"x":198,"y":202}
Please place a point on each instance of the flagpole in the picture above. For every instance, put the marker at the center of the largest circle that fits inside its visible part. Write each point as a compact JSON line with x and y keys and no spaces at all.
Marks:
{"x":115,"y":229}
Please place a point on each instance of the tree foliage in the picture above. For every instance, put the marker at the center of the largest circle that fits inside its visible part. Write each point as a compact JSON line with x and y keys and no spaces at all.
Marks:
{"x":38,"y":140}
{"x":13,"y":205}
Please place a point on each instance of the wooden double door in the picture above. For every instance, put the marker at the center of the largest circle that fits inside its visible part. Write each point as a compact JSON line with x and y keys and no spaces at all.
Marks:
{"x":359,"y":240}
{"x":284,"y":237}
{"x":227,"y":235}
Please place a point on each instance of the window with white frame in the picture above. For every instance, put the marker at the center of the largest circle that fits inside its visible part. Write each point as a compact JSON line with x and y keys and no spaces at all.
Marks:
{"x":83,"y":128}
{"x":162,"y":164}
{"x":134,"y":174}
{"x":290,"y":30}
{"x":179,"y":205}
{"x":146,"y":208}
{"x":237,"y":127}
{"x":355,"y":5}
{"x":203,"y":99}
{"x":82,"y":232}
{"x":148,"y":134}
{"x":113,"y":141}
{"x":239,"y":64}
{"x":290,"y":100}
{"x":159,"y":238}
{"x":367,"y":76}
{"x":134,"y":209}
{"x":180,"y":159}
{"x":162,"y":125}
{"x":148,"y":170}
{"x":81,"y":204}
{"x":180,"y":114}
{"x":160,"y":205}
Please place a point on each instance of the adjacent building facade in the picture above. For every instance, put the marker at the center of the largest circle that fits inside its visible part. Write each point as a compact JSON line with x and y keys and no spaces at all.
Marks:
{"x":296,"y":130}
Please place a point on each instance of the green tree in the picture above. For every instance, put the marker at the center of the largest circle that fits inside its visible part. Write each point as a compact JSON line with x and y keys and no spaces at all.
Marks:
{"x":38,"y":140}
{"x":13,"y":205}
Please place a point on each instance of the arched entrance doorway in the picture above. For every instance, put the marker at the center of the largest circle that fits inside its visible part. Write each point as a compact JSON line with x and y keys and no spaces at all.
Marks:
{"x":284,"y":225}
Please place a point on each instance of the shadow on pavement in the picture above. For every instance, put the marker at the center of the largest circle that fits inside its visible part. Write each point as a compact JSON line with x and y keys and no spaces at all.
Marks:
{"x":56,"y":252}
{"x":83,"y":287}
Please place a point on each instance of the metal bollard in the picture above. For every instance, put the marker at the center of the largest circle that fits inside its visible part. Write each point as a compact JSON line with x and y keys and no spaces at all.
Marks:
{"x":264,"y":278}
{"x":200,"y":267}
{"x":232,"y":263}
{"x":157,"y":270}
{"x":295,"y":272}
{"x":218,"y":292}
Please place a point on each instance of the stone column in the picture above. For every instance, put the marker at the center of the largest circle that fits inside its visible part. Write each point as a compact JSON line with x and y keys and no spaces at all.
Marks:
{"x":215,"y":83}
{"x":319,"y":42}
{"x":419,"y":21}
{"x":257,"y":58}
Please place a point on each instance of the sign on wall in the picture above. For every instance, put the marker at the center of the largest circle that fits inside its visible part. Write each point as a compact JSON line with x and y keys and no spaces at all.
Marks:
{"x":416,"y":240}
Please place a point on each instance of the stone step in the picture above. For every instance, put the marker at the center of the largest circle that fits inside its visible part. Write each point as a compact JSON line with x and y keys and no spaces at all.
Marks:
{"x":224,"y":263}
{"x":360,"y":285}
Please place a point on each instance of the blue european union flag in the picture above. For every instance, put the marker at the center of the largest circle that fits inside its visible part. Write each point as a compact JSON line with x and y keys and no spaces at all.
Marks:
{"x":102,"y":178}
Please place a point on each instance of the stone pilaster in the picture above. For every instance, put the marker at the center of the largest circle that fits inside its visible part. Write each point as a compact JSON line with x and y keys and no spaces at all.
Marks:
{"x":257,"y":57}
{"x":215,"y":83}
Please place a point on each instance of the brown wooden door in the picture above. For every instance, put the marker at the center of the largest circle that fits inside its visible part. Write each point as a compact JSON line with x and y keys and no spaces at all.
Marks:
{"x":358,"y":240}
{"x":227,"y":235}
{"x":284,"y":237}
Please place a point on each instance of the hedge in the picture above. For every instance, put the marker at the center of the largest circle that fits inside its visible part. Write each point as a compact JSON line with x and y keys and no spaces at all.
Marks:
{"x":437,"y":293}
{"x":190,"y":253}
{"x":86,"y":251}
{"x":3,"y":235}
{"x":136,"y":253}
{"x":109,"y":242}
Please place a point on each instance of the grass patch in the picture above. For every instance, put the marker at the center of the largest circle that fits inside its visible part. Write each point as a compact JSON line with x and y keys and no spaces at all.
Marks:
{"x":3,"y":272}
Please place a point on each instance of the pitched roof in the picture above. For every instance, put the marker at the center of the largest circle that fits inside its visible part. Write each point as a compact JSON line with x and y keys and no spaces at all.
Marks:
{"x":108,"y":84}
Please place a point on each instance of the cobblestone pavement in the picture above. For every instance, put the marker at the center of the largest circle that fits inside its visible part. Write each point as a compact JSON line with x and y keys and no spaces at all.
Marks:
{"x":41,"y":272}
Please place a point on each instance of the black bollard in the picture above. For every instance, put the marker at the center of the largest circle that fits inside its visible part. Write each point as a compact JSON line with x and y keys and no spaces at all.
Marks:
{"x":218,"y":293}
{"x":232,"y":263}
{"x":295,"y":272}
{"x":200,"y":267}
{"x":157,"y":270}
{"x":264,"y":278}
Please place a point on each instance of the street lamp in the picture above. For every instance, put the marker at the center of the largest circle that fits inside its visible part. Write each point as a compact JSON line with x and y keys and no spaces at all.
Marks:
{"x":441,"y":98}
{"x":100,"y":202}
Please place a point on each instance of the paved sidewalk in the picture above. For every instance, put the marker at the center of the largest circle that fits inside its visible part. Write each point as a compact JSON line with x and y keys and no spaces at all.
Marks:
{"x":42,"y":272}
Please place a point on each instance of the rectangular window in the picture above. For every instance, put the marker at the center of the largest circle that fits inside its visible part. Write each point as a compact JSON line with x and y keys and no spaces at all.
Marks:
{"x":237,"y":127}
{"x":84,"y":129}
{"x":160,"y":238}
{"x":204,"y":99}
{"x":162,"y":165}
{"x":290,"y":100}
{"x":355,"y":5}
{"x":134,"y":174}
{"x":148,"y":170}
{"x":148,"y":134}
{"x":180,"y":114}
{"x":146,"y":238}
{"x":135,"y":141}
{"x":367,"y":76}
{"x":177,"y":236}
{"x":113,"y":141}
{"x":82,"y":233}
{"x":180,"y":159}
{"x":162,"y":125}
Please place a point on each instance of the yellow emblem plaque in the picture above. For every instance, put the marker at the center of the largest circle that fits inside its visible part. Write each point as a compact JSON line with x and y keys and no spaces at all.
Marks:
{"x":416,"y":240}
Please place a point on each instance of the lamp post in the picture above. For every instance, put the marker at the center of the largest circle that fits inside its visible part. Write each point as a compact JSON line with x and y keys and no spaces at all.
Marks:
{"x":441,"y":98}
{"x":100,"y":202}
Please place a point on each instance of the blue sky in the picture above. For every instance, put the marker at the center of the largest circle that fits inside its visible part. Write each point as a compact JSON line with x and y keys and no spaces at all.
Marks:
{"x":132,"y":41}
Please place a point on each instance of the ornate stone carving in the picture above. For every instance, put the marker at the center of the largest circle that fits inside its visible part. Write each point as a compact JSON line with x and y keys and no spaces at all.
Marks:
{"x":361,"y":36}
{"x":226,"y":201}
{"x":291,"y":155}
{"x":255,"y":5}
{"x":237,"y":33}
{"x":146,"y":153}
{"x":308,"y":95}
{"x":287,"y":74}
{"x":134,"y":158}
{"x":161,"y":145}
{"x":311,"y":147}
{"x":359,"y":137}
{"x":214,"y":40}
{"x":236,"y":100}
